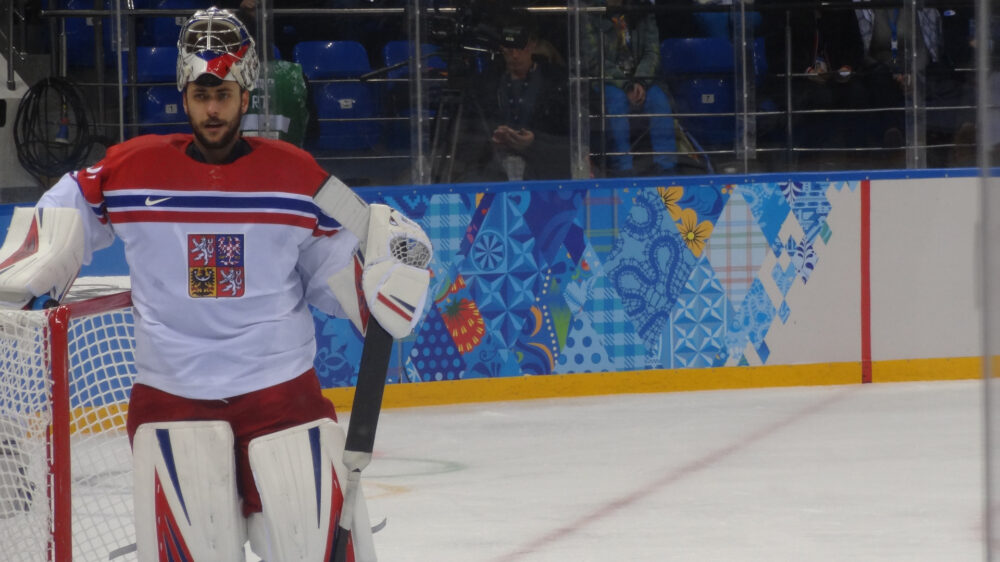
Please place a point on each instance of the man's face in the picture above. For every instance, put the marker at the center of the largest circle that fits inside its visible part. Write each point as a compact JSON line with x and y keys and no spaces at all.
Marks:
{"x":518,"y":61}
{"x":214,"y":113}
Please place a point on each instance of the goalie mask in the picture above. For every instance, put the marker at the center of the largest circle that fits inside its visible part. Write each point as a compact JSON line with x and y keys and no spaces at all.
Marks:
{"x":215,"y":42}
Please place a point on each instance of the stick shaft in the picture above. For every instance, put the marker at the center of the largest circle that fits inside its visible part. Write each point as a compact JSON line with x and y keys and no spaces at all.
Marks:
{"x":365,"y":412}
{"x":339,"y":201}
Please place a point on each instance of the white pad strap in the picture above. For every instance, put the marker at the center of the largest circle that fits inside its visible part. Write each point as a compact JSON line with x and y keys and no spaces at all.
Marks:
{"x":41,"y":255}
{"x":395,"y":278}
{"x":298,"y":472}
{"x":186,"y":503}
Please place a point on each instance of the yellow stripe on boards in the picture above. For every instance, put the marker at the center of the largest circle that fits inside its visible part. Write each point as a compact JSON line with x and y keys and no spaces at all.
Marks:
{"x":111,"y":417}
{"x":592,"y":384}
{"x":940,"y":369}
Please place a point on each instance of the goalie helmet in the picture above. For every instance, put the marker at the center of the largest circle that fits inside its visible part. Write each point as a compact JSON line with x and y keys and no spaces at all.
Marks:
{"x":215,"y":42}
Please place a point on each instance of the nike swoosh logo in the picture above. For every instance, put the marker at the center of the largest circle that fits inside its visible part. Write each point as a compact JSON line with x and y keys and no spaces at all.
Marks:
{"x":94,"y":169}
{"x":150,"y":201}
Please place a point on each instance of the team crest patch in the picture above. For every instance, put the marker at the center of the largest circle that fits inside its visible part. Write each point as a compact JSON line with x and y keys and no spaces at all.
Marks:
{"x":215,"y":265}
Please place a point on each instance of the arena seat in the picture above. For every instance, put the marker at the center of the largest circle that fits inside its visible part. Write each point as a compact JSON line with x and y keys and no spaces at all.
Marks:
{"x":701,"y":75}
{"x":397,"y":94}
{"x":163,"y":30}
{"x":160,"y":107}
{"x":80,"y":35}
{"x":345,"y":97}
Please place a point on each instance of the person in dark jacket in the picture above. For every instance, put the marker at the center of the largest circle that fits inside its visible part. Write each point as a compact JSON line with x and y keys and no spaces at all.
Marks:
{"x":525,"y":106}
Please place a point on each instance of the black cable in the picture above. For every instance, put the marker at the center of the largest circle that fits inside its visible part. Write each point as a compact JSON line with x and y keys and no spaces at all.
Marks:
{"x":51,"y":129}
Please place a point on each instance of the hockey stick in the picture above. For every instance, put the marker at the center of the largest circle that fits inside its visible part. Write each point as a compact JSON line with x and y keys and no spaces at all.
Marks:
{"x":340,"y":202}
{"x":361,"y":430}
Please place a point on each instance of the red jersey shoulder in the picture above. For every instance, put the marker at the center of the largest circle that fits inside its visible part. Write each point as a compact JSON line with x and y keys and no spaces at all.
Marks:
{"x":143,"y":145}
{"x":127,"y":160}
{"x":293,"y":168}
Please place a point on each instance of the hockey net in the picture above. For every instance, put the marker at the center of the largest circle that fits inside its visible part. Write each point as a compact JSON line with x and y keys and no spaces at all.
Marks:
{"x":65,"y":461}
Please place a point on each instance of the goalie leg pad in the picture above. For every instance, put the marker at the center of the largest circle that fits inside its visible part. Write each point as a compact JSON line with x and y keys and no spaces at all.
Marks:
{"x":41,"y":254}
{"x":298,"y":472}
{"x":186,"y":505}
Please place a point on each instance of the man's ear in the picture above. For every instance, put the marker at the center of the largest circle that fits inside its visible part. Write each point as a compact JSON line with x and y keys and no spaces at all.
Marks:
{"x":184,"y":99}
{"x":244,"y":101}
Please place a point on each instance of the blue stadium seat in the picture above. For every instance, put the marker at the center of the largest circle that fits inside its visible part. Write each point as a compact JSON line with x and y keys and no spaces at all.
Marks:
{"x":156,"y":64}
{"x":339,"y":60}
{"x":700,"y":72}
{"x":395,"y":52}
{"x":163,"y":30}
{"x":159,"y":105}
{"x":397,"y":94}
{"x":80,"y":41}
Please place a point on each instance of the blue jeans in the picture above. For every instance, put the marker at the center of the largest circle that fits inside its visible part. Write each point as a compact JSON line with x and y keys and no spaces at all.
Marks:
{"x":661,"y":129}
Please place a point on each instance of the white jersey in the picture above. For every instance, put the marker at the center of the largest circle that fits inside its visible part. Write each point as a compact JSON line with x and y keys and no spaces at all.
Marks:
{"x":223,"y":259}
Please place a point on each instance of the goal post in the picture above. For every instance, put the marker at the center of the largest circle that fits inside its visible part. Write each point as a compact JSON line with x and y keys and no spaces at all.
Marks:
{"x":65,"y":462}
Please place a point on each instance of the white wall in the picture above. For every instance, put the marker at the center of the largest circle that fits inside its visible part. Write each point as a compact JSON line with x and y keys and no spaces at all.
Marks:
{"x":924,"y":268}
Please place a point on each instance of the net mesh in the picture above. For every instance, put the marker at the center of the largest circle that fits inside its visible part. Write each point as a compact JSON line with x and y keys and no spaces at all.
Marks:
{"x":101,"y":369}
{"x":409,"y":251}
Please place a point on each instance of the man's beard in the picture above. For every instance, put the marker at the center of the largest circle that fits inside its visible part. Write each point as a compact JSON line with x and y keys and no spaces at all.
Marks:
{"x":224,"y":140}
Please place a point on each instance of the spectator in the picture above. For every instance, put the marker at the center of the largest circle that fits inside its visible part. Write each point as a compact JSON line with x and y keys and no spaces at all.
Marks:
{"x":631,"y":61}
{"x":526,"y":110}
{"x":830,"y":54}
{"x":892,"y":57}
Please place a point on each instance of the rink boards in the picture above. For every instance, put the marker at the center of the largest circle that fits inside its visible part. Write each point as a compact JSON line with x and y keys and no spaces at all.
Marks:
{"x":664,"y":284}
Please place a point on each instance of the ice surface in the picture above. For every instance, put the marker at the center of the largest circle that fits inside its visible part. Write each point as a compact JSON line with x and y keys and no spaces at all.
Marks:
{"x":879,"y":472}
{"x":866,"y":472}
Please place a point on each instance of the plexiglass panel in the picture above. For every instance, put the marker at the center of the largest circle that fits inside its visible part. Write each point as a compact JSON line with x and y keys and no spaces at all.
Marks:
{"x":988,"y":72}
{"x":389,"y":92}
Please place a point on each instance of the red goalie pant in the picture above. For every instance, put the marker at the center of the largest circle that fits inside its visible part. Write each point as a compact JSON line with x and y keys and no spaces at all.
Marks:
{"x":251,"y":415}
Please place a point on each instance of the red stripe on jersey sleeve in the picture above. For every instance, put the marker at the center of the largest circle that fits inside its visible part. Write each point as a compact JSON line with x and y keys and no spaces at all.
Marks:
{"x":91,"y":182}
{"x":120,"y":217}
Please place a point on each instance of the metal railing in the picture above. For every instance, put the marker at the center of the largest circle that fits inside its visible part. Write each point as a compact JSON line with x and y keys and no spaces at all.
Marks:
{"x":744,"y":155}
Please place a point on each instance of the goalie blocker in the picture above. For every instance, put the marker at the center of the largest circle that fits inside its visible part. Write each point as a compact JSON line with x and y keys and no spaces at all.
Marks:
{"x":390,"y":279}
{"x":187,"y":508}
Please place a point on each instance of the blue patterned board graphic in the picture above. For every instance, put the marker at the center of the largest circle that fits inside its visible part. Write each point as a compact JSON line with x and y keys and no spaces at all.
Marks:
{"x":583,"y":351}
{"x":698,"y":322}
{"x":769,"y":208}
{"x":649,"y":265}
{"x":601,"y":277}
{"x":737,"y":248}
{"x":809,"y":205}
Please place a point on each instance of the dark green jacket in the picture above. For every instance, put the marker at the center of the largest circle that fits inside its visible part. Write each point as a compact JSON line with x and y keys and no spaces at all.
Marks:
{"x":643,"y":50}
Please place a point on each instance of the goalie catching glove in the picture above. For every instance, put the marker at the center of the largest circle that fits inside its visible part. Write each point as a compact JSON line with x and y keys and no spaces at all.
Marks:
{"x":390,"y":274}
